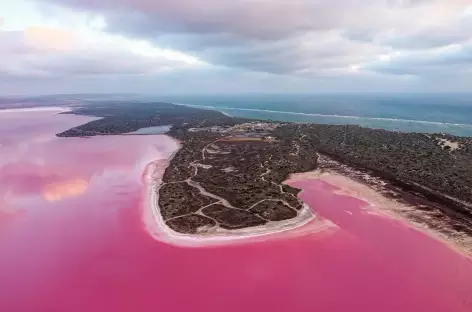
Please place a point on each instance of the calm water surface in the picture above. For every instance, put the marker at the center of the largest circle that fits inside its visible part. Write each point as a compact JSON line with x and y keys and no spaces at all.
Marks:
{"x":152,"y":130}
{"x":72,"y":239}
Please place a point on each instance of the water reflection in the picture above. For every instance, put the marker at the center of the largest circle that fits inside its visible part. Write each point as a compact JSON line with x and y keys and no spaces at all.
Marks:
{"x":57,"y":191}
{"x":89,"y":179}
{"x":33,"y":162}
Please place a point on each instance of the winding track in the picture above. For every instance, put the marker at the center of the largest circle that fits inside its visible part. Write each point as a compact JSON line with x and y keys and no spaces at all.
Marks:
{"x":221,"y":200}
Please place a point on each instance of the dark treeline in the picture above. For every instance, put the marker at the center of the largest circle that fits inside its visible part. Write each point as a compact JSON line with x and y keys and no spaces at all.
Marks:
{"x":125,"y":117}
{"x":414,"y":158}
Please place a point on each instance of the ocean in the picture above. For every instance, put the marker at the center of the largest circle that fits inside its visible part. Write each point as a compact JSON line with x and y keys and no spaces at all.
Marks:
{"x":433,"y":113}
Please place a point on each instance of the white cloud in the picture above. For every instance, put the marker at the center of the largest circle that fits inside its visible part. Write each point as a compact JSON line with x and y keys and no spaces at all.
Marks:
{"x":286,"y":37}
{"x":353,"y":40}
{"x":444,"y":61}
{"x":81,"y":47}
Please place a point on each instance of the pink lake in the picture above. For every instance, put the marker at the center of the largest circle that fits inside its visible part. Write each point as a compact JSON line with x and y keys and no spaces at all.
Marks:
{"x":72,"y":238}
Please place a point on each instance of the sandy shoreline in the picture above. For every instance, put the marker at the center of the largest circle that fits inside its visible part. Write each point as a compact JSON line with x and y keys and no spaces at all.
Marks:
{"x":378,"y":204}
{"x":57,"y":109}
{"x":305,"y":223}
{"x":302,"y":224}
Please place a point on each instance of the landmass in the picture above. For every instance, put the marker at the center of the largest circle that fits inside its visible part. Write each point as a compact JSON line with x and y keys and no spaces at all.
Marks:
{"x":229,"y":172}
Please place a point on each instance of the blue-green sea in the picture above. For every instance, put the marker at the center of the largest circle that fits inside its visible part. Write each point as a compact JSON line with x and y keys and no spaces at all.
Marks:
{"x":436,"y":113}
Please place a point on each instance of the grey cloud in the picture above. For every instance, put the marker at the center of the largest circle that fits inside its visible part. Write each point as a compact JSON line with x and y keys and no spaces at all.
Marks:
{"x":458,"y":32}
{"x":65,"y":65}
{"x":98,"y":63}
{"x":262,"y":20}
{"x":294,"y":55}
{"x":198,"y":42}
{"x":214,"y":81}
{"x":426,"y":40}
{"x":22,"y":59}
{"x":427,"y":64}
{"x":12,"y":43}
{"x":420,"y":40}
{"x":270,"y":36}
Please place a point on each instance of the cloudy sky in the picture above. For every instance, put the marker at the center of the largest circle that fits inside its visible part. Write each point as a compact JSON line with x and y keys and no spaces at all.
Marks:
{"x":206,"y":46}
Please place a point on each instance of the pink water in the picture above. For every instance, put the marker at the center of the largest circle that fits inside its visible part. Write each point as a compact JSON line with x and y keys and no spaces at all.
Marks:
{"x":72,"y":239}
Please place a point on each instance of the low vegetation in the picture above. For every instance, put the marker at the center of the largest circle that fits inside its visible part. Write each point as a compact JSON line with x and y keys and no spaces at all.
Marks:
{"x":219,"y":179}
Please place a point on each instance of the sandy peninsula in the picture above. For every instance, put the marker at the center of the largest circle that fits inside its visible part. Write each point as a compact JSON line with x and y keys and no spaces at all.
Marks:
{"x":305,"y":223}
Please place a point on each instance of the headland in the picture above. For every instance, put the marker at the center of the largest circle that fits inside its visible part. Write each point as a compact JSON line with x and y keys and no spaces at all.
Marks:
{"x":227,"y":178}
